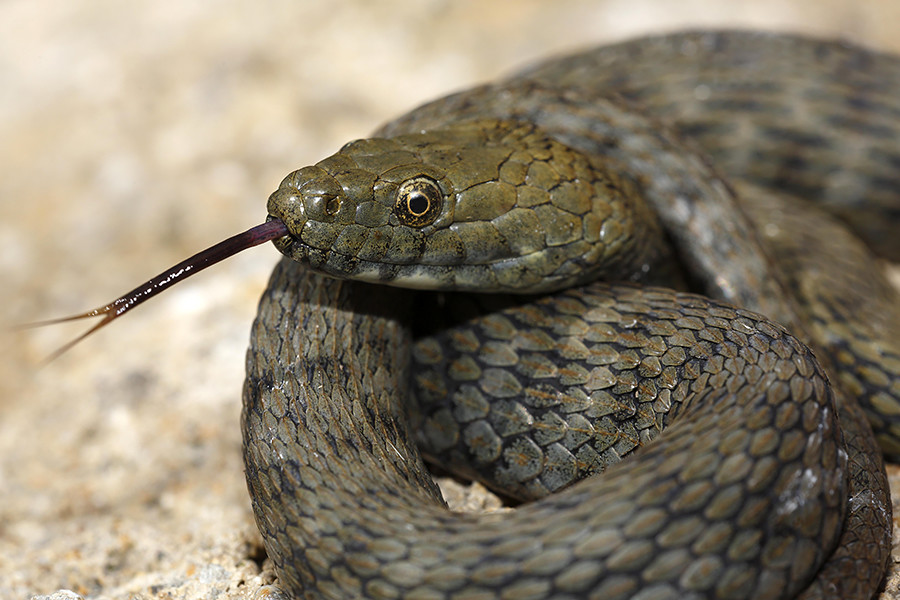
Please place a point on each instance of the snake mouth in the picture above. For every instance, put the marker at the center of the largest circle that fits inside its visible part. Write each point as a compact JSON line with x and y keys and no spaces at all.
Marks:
{"x":342,"y":265}
{"x":517,"y":275}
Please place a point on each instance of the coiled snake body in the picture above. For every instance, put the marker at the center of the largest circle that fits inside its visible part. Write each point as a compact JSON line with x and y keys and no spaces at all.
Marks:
{"x":766,"y":482}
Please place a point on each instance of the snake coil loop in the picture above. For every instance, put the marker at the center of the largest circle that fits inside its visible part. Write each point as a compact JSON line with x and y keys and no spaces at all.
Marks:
{"x":743,"y":473}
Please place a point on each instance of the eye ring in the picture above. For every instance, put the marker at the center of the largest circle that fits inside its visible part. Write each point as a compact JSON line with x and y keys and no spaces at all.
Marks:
{"x":418,"y":202}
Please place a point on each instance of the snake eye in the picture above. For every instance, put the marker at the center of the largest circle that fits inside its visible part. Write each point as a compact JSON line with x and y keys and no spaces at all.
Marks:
{"x":418,"y":202}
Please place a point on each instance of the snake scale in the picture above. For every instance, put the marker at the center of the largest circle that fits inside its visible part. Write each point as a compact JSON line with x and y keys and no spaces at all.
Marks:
{"x":588,"y":194}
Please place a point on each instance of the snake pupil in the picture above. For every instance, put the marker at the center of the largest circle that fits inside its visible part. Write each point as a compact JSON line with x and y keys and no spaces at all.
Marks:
{"x":417,"y":203}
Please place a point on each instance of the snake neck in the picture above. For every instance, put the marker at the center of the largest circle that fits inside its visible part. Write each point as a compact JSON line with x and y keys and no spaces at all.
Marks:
{"x":697,"y":209}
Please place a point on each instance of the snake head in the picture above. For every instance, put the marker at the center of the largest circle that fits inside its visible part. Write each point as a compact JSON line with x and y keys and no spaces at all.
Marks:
{"x":489,"y":205}
{"x":481,"y":205}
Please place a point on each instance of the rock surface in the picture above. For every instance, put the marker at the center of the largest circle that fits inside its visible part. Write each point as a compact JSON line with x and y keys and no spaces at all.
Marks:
{"x":134,"y":134}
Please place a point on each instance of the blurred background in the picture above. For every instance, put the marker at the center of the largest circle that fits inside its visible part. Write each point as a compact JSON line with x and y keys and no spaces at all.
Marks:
{"x":135,"y":134}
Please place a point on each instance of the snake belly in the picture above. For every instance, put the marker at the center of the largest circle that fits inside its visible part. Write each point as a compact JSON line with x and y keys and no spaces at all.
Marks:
{"x":745,"y":473}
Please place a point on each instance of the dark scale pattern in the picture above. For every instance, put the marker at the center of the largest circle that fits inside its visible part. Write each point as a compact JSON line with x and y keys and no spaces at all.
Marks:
{"x":739,"y":498}
{"x":531,"y":402}
{"x":736,"y":481}
{"x":807,"y":105}
{"x":541,"y":402}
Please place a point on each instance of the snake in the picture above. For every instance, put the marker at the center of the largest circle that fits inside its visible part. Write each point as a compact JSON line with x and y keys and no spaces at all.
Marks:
{"x":555,"y":284}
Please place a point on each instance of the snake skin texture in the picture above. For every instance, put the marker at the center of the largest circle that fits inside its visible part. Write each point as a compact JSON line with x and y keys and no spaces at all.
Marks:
{"x":669,"y":445}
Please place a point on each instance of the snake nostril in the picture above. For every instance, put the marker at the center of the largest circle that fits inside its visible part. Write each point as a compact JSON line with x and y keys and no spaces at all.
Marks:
{"x":332,"y":206}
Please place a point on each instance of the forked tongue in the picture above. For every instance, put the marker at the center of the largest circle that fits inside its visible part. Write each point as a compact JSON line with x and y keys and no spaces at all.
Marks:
{"x":268,"y":231}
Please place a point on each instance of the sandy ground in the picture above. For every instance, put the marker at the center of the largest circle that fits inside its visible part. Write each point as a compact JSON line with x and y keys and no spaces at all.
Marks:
{"x":134,"y":134}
